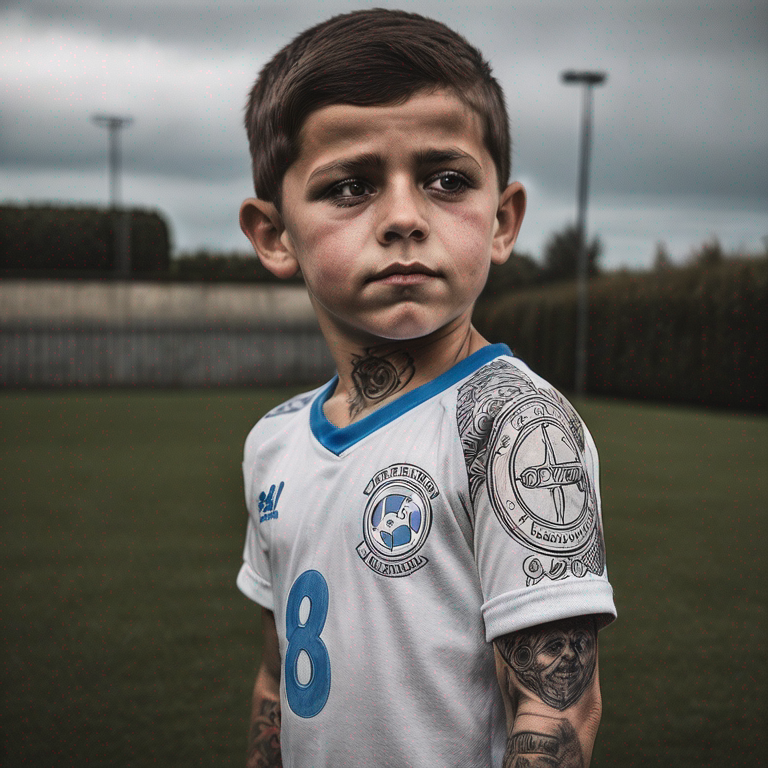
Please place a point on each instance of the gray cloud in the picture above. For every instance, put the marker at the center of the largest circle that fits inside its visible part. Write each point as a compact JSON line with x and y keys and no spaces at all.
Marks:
{"x":210,"y":26}
{"x":682,"y":117}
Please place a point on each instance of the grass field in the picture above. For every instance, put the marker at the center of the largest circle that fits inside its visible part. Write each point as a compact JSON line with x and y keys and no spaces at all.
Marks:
{"x":126,"y":643}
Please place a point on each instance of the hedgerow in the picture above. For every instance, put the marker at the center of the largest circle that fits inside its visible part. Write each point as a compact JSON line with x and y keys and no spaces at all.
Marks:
{"x":47,"y":240}
{"x":691,"y":335}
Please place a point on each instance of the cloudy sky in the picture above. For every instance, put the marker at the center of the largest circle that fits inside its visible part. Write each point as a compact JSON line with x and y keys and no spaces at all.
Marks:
{"x":680,"y":149}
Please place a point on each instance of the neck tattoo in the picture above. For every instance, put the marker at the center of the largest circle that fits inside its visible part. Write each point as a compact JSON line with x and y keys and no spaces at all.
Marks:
{"x":376,"y":374}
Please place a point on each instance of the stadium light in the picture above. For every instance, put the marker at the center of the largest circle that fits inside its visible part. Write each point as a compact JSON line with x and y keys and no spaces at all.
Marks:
{"x":114,"y":124}
{"x":588,"y":80}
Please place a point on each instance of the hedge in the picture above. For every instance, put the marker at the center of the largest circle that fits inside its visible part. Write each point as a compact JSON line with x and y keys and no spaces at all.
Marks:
{"x":204,"y":266}
{"x":40,"y":240}
{"x":691,"y":335}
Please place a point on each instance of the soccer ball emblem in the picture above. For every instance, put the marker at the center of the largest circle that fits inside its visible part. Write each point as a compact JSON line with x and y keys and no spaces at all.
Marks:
{"x":396,"y":521}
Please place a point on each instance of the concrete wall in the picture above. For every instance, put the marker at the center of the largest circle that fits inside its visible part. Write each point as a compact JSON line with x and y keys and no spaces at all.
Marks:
{"x":124,"y":303}
{"x":121,"y":334}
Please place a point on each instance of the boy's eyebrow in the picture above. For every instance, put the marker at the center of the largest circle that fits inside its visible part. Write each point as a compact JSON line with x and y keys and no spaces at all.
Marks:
{"x":350,"y":165}
{"x":372,"y":160}
{"x":438,"y":156}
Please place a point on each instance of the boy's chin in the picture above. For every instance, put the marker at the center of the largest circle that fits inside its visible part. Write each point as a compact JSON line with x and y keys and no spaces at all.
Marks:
{"x":392,"y":325}
{"x":409,"y":329}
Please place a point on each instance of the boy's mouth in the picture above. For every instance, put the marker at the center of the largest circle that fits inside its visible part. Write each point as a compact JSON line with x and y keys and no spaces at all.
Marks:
{"x":404,"y":274}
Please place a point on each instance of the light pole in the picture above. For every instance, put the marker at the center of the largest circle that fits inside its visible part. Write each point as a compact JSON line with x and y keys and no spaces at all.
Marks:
{"x":588,"y":80}
{"x":114,"y":123}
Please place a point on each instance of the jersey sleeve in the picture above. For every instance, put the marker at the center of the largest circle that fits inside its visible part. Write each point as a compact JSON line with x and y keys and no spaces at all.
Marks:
{"x":534,"y":486}
{"x":254,"y":579}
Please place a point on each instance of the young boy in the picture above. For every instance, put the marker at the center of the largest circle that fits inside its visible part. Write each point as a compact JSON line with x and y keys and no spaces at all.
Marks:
{"x":424,"y":535}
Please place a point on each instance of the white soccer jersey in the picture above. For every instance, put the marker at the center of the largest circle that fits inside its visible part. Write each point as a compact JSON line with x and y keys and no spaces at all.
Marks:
{"x":392,"y":552}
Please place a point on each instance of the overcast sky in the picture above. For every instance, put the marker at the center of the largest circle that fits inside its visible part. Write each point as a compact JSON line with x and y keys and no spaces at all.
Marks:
{"x":680,"y":150}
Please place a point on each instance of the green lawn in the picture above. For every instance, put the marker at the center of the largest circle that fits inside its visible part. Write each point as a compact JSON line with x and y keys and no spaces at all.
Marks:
{"x":126,"y":643}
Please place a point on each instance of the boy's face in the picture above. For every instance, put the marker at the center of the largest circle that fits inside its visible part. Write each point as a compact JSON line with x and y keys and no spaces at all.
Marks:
{"x":393,"y":214}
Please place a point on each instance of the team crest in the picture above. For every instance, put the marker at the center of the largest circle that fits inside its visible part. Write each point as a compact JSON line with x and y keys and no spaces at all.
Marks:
{"x":397,"y":519}
{"x":541,"y":489}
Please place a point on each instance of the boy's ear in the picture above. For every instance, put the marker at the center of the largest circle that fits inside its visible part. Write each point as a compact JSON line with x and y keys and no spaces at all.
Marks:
{"x":263,"y":225}
{"x":509,"y":217}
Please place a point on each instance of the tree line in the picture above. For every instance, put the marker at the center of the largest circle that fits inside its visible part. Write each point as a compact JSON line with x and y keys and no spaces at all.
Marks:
{"x":81,"y":241}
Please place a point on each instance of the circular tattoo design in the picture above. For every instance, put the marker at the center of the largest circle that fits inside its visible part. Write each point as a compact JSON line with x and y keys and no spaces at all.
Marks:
{"x":539,"y":483}
{"x":378,"y":374}
{"x":523,"y":657}
{"x":375,"y":378}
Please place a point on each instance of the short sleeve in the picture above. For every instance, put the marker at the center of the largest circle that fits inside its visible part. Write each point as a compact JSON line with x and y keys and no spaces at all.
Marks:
{"x":249,"y":580}
{"x":534,"y":485}
{"x":254,"y":578}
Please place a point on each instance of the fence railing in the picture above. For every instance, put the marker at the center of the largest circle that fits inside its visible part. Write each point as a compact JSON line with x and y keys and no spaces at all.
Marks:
{"x":160,"y":355}
{"x":56,"y":334}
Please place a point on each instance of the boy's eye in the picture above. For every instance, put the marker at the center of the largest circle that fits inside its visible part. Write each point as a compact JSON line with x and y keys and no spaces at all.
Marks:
{"x":349,"y":190}
{"x":450,"y":182}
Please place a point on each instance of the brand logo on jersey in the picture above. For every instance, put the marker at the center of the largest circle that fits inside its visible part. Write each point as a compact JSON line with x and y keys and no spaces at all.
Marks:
{"x":397,"y":519}
{"x":291,"y":406}
{"x":268,"y":503}
{"x":541,"y":489}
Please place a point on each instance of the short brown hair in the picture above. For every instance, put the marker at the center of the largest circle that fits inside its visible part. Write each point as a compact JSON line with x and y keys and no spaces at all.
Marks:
{"x":365,"y":58}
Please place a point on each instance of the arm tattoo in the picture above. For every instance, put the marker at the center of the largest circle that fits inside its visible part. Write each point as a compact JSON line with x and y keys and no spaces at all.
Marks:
{"x":378,"y":373}
{"x":556,"y":661}
{"x":264,"y":739}
{"x":528,"y":749}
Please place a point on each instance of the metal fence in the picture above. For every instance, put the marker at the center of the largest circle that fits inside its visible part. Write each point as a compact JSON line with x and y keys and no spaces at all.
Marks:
{"x":56,"y":334}
{"x":64,"y":355}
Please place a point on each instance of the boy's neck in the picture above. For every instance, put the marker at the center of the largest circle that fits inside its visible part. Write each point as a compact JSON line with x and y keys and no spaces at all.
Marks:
{"x":372,"y":375}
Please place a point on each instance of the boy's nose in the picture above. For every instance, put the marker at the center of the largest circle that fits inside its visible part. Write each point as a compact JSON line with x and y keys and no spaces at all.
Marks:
{"x":402,"y":216}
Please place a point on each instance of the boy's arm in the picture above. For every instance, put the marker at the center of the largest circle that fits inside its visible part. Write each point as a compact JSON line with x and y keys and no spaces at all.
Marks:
{"x":264,"y":735}
{"x":549,"y":682}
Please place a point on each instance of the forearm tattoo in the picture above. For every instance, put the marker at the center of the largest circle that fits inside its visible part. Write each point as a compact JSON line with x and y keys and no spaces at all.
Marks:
{"x":556,"y":661}
{"x":377,"y":374}
{"x":264,"y":739}
{"x":530,"y":749}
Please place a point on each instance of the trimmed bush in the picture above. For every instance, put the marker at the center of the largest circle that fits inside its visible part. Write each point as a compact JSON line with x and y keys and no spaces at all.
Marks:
{"x":42,"y":240}
{"x":204,"y":266}
{"x":691,"y":335}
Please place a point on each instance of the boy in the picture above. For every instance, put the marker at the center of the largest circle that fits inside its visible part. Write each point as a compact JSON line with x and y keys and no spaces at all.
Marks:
{"x":424,"y":534}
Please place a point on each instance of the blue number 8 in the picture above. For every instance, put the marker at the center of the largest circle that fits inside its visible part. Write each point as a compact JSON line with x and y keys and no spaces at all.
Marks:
{"x":306,"y":700}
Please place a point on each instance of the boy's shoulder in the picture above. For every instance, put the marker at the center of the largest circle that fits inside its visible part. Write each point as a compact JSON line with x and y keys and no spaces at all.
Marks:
{"x":504,"y":386}
{"x":279,"y":418}
{"x":499,"y":382}
{"x":293,"y":404}
{"x":506,"y":410}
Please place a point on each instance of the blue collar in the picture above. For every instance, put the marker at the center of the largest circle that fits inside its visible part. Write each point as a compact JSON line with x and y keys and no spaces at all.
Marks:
{"x":338,"y":439}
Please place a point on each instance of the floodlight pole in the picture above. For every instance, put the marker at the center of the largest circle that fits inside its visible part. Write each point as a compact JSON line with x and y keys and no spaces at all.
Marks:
{"x":588,"y":80}
{"x":114,"y":123}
